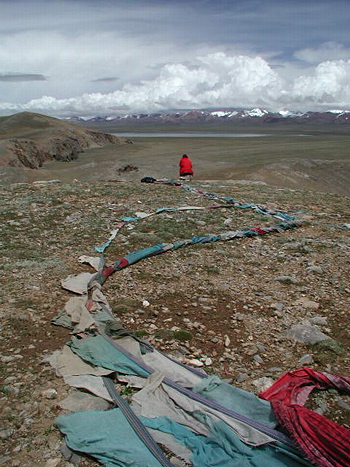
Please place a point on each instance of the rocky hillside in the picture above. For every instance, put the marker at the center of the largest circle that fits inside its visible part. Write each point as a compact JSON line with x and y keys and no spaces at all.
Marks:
{"x":248,"y":309}
{"x":30,"y":140}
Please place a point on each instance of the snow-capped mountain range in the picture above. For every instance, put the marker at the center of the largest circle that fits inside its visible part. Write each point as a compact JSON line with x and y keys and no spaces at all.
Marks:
{"x":225,"y":117}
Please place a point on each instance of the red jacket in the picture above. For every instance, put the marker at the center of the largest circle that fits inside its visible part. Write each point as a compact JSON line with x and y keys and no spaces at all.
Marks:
{"x":186,"y":166}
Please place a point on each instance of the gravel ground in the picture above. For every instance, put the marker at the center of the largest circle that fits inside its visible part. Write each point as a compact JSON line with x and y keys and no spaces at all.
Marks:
{"x":224,"y":306}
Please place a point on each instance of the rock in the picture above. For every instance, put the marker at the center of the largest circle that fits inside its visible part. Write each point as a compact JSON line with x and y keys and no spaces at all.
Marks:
{"x":332,"y":345}
{"x":9,"y":389}
{"x":241,"y":377}
{"x":277,"y":306}
{"x":286,"y":280}
{"x":314,"y":269}
{"x":49,"y":394}
{"x":7,"y":358}
{"x":343,"y":404}
{"x":195,"y":362}
{"x":306,"y":359}
{"x":322,"y":408}
{"x":227,"y":341}
{"x":4,"y":459}
{"x":319,"y":320}
{"x":275,"y":369}
{"x":305,"y":333}
{"x":52,"y":462}
{"x":257,"y":359}
{"x":306,"y":303}
{"x":5,"y":434}
{"x":263,"y":383}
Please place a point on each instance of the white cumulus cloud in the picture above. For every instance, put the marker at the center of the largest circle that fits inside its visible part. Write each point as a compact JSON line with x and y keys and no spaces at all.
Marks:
{"x":212,"y":80}
{"x":329,"y":83}
{"x":326,"y":51}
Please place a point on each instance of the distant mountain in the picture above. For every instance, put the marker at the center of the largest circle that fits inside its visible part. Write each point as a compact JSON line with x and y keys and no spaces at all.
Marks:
{"x":30,"y":139}
{"x":218,"y":118}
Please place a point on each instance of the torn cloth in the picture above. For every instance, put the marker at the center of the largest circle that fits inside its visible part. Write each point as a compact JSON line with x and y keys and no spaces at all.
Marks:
{"x":115,"y":443}
{"x":323,"y":441}
{"x":244,"y":402}
{"x":223,"y":448}
{"x":294,"y":387}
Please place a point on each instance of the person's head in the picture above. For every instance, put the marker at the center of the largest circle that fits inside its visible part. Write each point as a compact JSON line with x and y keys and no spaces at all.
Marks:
{"x":185,"y":156}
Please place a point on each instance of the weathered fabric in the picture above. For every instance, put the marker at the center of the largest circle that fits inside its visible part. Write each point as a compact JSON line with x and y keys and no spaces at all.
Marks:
{"x":158,"y":399}
{"x":134,"y":257}
{"x":244,"y":402}
{"x":223,"y":448}
{"x":79,"y":314}
{"x":98,"y":351}
{"x":324,"y":442}
{"x":94,"y":261}
{"x":77,"y":284}
{"x":115,"y":443}
{"x":68,"y":363}
{"x":171,"y":369}
{"x":93,"y":384}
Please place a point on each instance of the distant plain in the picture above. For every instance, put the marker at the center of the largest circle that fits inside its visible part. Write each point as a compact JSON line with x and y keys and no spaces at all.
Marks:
{"x":297,"y":157}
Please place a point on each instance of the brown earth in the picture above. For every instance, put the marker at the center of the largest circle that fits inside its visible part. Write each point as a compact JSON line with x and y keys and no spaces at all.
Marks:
{"x":318,"y":164}
{"x":29,"y":140}
{"x":230,"y":302}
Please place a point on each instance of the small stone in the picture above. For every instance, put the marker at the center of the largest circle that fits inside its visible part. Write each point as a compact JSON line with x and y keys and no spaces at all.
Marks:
{"x":263,"y":383}
{"x":306,"y":359}
{"x":5,"y":434}
{"x":258,"y":359}
{"x":322,"y":408}
{"x":241,"y":377}
{"x":140,"y":311}
{"x":145,"y":303}
{"x":305,"y":333}
{"x":286,"y":280}
{"x":343,"y":404}
{"x":7,"y":358}
{"x":195,"y":362}
{"x":319,"y":320}
{"x":314,"y":269}
{"x":52,"y":462}
{"x":9,"y":389}
{"x":49,"y":393}
{"x":275,"y":369}
{"x":277,"y":306}
{"x":309,"y":304}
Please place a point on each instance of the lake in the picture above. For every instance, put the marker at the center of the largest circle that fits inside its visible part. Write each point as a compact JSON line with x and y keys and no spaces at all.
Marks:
{"x":190,"y":134}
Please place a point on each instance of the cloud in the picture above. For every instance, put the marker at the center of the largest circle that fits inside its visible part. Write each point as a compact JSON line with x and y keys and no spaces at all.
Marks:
{"x":18,"y":77}
{"x":110,"y":56}
{"x":327,"y":51}
{"x":108,"y":79}
{"x":217,"y":80}
{"x":328,"y":84}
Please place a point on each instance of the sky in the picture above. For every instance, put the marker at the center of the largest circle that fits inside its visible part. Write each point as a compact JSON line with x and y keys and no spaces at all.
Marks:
{"x":112,"y":57}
